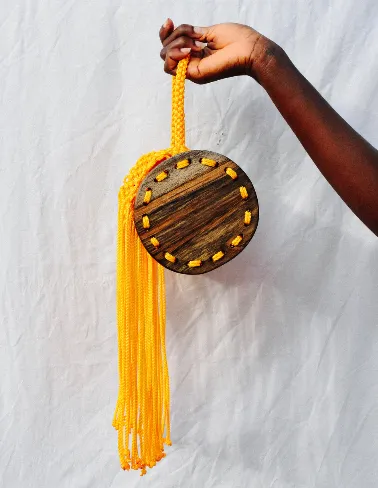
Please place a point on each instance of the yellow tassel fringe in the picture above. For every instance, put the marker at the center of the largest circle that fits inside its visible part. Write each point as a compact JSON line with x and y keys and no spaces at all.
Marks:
{"x":142,"y":413}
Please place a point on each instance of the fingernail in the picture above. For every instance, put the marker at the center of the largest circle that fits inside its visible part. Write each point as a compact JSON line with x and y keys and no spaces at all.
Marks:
{"x":165,"y":25}
{"x":185,"y":50}
{"x":199,"y":30}
{"x":200,"y":44}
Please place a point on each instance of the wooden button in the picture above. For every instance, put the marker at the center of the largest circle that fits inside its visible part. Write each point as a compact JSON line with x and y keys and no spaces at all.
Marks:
{"x":196,"y":211}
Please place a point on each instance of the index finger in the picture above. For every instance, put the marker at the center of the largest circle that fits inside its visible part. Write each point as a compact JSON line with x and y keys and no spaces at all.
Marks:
{"x":166,"y":29}
{"x":183,"y":30}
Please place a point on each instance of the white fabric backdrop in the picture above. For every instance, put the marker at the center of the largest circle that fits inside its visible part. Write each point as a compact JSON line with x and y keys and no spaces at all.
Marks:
{"x":273,"y":357}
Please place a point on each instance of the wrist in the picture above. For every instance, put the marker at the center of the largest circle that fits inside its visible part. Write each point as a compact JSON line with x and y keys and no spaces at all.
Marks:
{"x":267,"y":60}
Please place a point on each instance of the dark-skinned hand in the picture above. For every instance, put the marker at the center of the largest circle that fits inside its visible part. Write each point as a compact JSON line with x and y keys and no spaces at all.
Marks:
{"x":219,"y":51}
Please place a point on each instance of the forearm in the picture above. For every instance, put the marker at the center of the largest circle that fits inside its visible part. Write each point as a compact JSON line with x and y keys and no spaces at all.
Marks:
{"x":348,"y":162}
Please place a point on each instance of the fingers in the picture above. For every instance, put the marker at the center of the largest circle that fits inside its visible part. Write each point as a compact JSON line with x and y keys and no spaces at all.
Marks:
{"x":179,"y":42}
{"x":178,"y":49}
{"x":173,"y":57}
{"x":186,"y":30}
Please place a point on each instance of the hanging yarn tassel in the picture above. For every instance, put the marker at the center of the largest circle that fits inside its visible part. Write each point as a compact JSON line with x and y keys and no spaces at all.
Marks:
{"x":142,"y":416}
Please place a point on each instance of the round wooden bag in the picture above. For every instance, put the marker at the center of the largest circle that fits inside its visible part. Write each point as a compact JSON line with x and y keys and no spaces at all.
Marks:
{"x":196,"y":211}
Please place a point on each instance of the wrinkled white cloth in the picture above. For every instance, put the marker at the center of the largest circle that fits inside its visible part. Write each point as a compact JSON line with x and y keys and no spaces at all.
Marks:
{"x":273,"y":357}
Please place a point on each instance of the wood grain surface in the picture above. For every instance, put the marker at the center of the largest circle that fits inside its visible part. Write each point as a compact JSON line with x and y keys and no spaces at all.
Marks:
{"x":195,"y":212}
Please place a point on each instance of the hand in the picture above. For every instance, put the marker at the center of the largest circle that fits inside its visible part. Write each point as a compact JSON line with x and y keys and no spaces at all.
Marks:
{"x":217,"y":52}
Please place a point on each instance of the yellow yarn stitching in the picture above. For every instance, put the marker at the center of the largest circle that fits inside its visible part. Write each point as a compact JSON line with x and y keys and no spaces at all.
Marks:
{"x":208,"y":162}
{"x":219,"y":255}
{"x":231,"y":173}
{"x":182,"y":164}
{"x":141,"y":415}
{"x":247,"y":217}
{"x":147,"y":196}
{"x":155,"y":242}
{"x":169,"y":257}
{"x":161,"y":176}
{"x":236,"y":241}
{"x":146,"y":222}
{"x":243,"y":192}
{"x":195,"y":263}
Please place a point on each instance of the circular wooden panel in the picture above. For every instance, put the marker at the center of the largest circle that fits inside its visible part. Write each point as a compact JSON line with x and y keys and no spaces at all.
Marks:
{"x":196,"y":211}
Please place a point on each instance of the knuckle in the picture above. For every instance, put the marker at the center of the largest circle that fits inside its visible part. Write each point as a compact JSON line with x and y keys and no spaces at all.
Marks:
{"x":168,"y":52}
{"x":184,"y":28}
{"x":184,"y":41}
{"x":181,"y":41}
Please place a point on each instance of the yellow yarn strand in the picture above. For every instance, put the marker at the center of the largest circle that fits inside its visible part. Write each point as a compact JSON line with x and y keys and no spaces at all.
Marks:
{"x":208,"y":162}
{"x":243,"y":192}
{"x":169,"y":257}
{"x":219,"y":255}
{"x":162,"y":176}
{"x":236,"y":241}
{"x":155,"y":242}
{"x":233,"y":174}
{"x":147,"y":197}
{"x":182,"y":164}
{"x":142,"y":413}
{"x":146,"y":222}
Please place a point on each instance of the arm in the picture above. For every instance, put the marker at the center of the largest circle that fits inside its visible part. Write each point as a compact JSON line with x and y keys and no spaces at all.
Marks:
{"x":347,"y":160}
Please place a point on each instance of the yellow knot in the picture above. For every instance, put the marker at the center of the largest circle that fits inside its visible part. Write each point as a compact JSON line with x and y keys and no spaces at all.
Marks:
{"x":233,"y":174}
{"x":182,"y":164}
{"x":147,"y":196}
{"x":219,"y":255}
{"x":243,"y":192}
{"x":146,"y":222}
{"x":169,"y":257}
{"x":247,"y":217}
{"x":236,"y":241}
{"x":161,"y":176}
{"x":195,"y":263}
{"x":209,"y":162}
{"x":155,"y":242}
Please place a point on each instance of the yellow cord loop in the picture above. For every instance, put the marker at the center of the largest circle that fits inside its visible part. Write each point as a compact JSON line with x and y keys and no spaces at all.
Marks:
{"x":178,"y":114}
{"x":142,"y":413}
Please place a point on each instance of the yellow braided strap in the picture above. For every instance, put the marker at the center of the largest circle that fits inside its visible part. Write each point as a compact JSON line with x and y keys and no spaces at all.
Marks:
{"x":178,"y":114}
{"x":142,"y":413}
